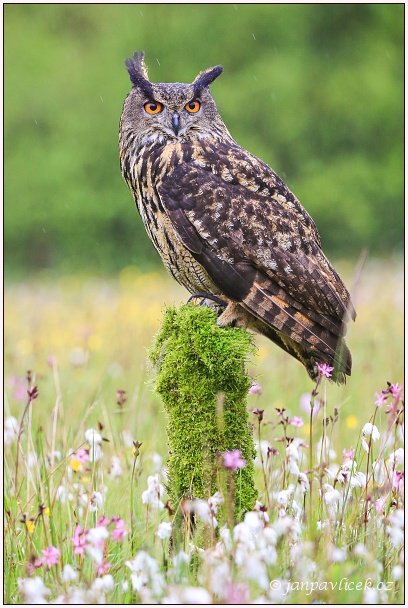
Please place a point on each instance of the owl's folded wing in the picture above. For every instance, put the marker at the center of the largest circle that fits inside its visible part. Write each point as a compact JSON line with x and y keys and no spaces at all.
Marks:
{"x":243,"y":219}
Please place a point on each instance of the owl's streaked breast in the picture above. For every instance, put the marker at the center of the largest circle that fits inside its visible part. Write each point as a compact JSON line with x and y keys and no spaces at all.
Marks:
{"x":152,"y":164}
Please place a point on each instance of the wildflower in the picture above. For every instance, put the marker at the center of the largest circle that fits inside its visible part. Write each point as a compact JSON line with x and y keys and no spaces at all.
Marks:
{"x":95,"y":440}
{"x":97,"y":536}
{"x":154,"y":491}
{"x":144,"y":570}
{"x":296,"y":421}
{"x":253,"y":521}
{"x":69,"y":574}
{"x":255,"y":389}
{"x":164,"y":530}
{"x":380,"y":474}
{"x":379,"y":504}
{"x":51,"y":555}
{"x":233,"y":460}
{"x":263,"y":447}
{"x":202,"y":509}
{"x":396,"y":528}
{"x":398,"y":481}
{"x":33,"y":590}
{"x":380,"y":399}
{"x":396,"y":458}
{"x":79,"y":540}
{"x":82,"y":455}
{"x":396,"y":390}
{"x":196,"y":595}
{"x":95,"y":501}
{"x":284,"y":497}
{"x":336,"y":554}
{"x":119,"y":532}
{"x":75,"y":464}
{"x":181,"y":558}
{"x":215,"y":501}
{"x":303,"y":482}
{"x":325,"y":370}
{"x":348,"y":454}
{"x":369,"y":430}
{"x":331,"y":496}
{"x":103,"y":568}
{"x":103,"y":584}
{"x":351,"y":421}
{"x":11,"y":428}
{"x":30,"y":525}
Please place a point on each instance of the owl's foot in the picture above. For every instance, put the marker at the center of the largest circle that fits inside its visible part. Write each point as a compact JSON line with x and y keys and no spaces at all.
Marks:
{"x":205,"y":297}
{"x":233,"y":316}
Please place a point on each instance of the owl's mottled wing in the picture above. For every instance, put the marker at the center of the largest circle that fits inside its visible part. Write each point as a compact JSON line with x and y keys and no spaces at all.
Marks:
{"x":255,"y":240}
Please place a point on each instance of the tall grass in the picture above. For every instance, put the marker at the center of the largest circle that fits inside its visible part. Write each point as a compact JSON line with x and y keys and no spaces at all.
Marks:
{"x":86,"y":512}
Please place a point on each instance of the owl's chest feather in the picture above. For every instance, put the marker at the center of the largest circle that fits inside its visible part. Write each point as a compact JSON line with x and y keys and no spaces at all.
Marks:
{"x":149,"y":170}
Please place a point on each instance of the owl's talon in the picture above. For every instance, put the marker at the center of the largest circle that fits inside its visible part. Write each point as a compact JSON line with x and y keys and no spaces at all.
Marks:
{"x":207,"y":296}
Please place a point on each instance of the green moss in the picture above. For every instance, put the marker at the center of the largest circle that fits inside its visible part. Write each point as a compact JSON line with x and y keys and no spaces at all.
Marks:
{"x":202,"y":379}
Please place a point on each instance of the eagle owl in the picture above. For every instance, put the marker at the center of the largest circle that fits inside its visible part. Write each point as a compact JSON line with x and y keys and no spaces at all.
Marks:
{"x":226,"y":226}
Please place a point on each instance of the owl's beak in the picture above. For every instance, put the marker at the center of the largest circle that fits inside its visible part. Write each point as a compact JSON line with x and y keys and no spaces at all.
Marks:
{"x":176,"y":123}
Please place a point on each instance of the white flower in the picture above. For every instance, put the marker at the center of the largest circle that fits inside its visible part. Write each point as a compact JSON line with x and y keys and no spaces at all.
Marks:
{"x":336,"y":554}
{"x":303,"y":482}
{"x":95,"y":441}
{"x":215,"y":501}
{"x":103,"y":584}
{"x":264,"y":446}
{"x":164,"y":530}
{"x":253,"y":521}
{"x":358,"y":480}
{"x":180,"y":559}
{"x":95,"y":502}
{"x":69,"y":574}
{"x":380,"y":474}
{"x":154,"y":491}
{"x":396,"y":458}
{"x":202,"y":508}
{"x":397,"y":572}
{"x":145,"y":570}
{"x":11,"y":427}
{"x":196,"y":595}
{"x":97,"y":536}
{"x":370,"y":596}
{"x":369,"y":430}
{"x":96,"y":554}
{"x":127,"y":439}
{"x":284,"y":497}
{"x":33,"y":590}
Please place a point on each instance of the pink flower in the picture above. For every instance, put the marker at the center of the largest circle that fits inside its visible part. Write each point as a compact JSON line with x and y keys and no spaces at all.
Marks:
{"x":396,"y":390}
{"x":51,"y":556}
{"x":348,"y":454}
{"x":296,"y":421}
{"x":79,"y":541}
{"x":233,"y":460}
{"x":103,"y":521}
{"x":119,"y":532}
{"x":325,"y":370}
{"x":82,"y":455}
{"x":398,"y":480}
{"x":379,"y":504}
{"x":255,"y":389}
{"x":381,"y":399}
{"x":103,"y":569}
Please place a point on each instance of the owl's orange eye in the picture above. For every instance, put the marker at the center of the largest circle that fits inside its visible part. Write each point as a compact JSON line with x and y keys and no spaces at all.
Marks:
{"x":153,"y":107}
{"x":193,"y":106}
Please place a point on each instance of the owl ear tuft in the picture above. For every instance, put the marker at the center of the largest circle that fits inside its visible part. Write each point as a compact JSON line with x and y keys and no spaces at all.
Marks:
{"x":138,"y":73}
{"x":205,"y":78}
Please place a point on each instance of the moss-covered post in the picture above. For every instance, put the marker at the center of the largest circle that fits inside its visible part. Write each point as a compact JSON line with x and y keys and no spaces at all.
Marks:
{"x":202,"y":379}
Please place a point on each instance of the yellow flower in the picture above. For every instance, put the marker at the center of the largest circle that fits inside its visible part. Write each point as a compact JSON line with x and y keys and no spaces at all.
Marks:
{"x":30,"y":526}
{"x":75,"y":464}
{"x":47,"y":511}
{"x":351,"y":422}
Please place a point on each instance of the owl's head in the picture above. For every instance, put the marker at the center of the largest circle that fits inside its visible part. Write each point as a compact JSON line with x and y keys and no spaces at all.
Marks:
{"x":170,"y":112}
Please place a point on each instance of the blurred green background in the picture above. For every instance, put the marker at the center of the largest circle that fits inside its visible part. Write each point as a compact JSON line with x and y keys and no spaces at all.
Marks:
{"x":314,"y":90}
